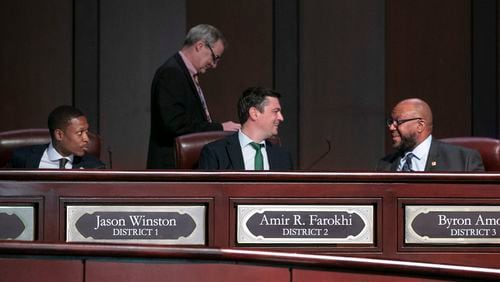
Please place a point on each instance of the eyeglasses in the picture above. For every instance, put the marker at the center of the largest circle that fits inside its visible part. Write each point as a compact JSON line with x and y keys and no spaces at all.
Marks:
{"x":399,"y":122}
{"x":214,"y":57}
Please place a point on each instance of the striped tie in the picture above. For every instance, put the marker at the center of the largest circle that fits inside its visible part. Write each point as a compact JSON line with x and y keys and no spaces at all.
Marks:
{"x":407,"y":163}
{"x":202,"y":98}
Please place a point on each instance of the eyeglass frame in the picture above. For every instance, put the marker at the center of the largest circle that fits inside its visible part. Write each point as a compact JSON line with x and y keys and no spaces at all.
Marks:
{"x":390,"y":121}
{"x":215,"y":58}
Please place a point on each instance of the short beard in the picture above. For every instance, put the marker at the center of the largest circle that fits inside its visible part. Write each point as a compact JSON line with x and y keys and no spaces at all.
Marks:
{"x":407,"y":143}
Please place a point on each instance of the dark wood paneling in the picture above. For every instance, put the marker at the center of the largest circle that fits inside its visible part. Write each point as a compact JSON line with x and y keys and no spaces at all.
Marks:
{"x":136,"y":37}
{"x":86,"y":60}
{"x":97,"y":271}
{"x":286,"y":54}
{"x":248,"y":27}
{"x":28,"y":270}
{"x":342,"y":90}
{"x":35,"y":61}
{"x":112,"y":262}
{"x":428,"y":55}
{"x":484,"y":68}
{"x":300,"y":275}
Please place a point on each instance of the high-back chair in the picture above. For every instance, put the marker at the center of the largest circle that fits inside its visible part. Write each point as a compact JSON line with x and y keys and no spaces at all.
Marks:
{"x":489,"y":149}
{"x":188,"y":147}
{"x":11,"y":140}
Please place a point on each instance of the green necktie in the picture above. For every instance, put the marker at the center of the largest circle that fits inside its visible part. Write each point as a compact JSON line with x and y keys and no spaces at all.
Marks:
{"x":259,"y":161}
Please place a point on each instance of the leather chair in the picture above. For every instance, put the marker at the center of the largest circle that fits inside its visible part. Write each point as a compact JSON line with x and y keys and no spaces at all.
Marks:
{"x":11,"y":140}
{"x":489,"y":149}
{"x":188,"y":147}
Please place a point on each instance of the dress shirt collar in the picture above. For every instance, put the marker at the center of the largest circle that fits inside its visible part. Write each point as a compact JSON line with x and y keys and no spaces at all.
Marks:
{"x":420,"y":155}
{"x":245,"y":140}
{"x":189,"y":65}
{"x":422,"y":150}
{"x":54,"y":155}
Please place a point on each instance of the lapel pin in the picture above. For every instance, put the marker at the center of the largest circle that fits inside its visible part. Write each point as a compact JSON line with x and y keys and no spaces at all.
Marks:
{"x":433,"y":163}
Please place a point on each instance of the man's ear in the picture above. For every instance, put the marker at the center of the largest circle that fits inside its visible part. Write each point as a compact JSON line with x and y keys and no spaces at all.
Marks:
{"x":421,"y":125}
{"x":199,"y":45}
{"x":58,"y":134}
{"x":253,"y":113}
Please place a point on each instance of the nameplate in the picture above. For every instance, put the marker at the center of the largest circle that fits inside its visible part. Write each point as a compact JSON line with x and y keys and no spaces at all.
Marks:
{"x":452,"y":224}
{"x":305,"y":224}
{"x":17,"y":223}
{"x":183,"y":225}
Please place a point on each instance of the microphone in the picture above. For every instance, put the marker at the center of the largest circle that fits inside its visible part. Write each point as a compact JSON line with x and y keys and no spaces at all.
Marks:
{"x":322,"y":156}
{"x":110,"y":158}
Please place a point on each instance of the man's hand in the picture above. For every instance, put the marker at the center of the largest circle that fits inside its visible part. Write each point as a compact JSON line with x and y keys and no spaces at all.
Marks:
{"x":231,"y":126}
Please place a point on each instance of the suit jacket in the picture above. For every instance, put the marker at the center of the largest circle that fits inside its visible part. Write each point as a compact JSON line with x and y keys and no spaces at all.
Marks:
{"x":30,"y":156}
{"x":176,"y":109}
{"x":442,"y":157}
{"x":225,"y":154}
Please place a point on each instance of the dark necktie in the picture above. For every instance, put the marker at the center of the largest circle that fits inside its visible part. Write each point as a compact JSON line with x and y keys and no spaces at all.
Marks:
{"x":407,"y":163}
{"x":62,"y":163}
{"x":259,"y":160}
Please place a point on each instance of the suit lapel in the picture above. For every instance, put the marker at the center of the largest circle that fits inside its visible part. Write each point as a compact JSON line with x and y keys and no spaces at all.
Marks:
{"x":190,"y":81}
{"x":233,"y":148}
{"x":271,"y":156}
{"x":394,"y":165}
{"x":433,"y":160}
{"x":77,"y":162}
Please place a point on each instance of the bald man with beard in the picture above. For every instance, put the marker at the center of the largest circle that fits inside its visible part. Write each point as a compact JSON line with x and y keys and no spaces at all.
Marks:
{"x":410,"y":126}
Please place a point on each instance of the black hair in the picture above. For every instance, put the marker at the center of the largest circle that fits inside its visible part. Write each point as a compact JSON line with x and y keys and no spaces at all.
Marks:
{"x":254,"y":97}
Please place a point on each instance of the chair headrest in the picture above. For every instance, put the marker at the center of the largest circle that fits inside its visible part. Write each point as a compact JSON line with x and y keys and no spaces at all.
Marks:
{"x":188,"y":147}
{"x":489,"y":148}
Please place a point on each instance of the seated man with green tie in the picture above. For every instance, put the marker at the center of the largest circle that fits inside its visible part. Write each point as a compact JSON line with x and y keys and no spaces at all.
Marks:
{"x":68,"y":129}
{"x":259,"y":112}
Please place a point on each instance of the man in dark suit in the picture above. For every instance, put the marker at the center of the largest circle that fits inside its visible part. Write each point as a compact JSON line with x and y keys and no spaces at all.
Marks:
{"x":416,"y":150}
{"x":178,"y":105}
{"x":68,"y":129}
{"x":259,"y":112}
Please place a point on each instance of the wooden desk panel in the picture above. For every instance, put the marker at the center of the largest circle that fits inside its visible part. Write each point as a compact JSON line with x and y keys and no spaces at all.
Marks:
{"x":28,"y":270}
{"x":220,"y":191}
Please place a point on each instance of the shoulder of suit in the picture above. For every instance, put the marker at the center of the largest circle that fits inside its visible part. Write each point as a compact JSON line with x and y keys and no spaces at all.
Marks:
{"x":224,"y":141}
{"x":32,"y":148}
{"x":453,"y":147}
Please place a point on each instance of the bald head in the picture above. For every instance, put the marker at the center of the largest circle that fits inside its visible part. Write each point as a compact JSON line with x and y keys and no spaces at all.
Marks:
{"x":418,"y":108}
{"x":412,"y":123}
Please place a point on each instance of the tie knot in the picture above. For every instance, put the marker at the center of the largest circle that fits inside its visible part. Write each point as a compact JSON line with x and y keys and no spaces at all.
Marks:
{"x":257,"y":146}
{"x":409,"y":156}
{"x":62,"y":163}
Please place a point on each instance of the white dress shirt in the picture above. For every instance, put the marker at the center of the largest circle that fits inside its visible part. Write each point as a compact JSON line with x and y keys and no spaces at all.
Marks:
{"x":249,"y":152}
{"x":50,"y":159}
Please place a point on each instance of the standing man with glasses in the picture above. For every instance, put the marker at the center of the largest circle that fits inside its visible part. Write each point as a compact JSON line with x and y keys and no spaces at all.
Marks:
{"x":410,"y":126}
{"x":178,"y":104}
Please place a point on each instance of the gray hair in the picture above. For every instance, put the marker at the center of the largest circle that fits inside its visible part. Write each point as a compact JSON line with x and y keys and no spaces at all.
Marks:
{"x":206,"y":33}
